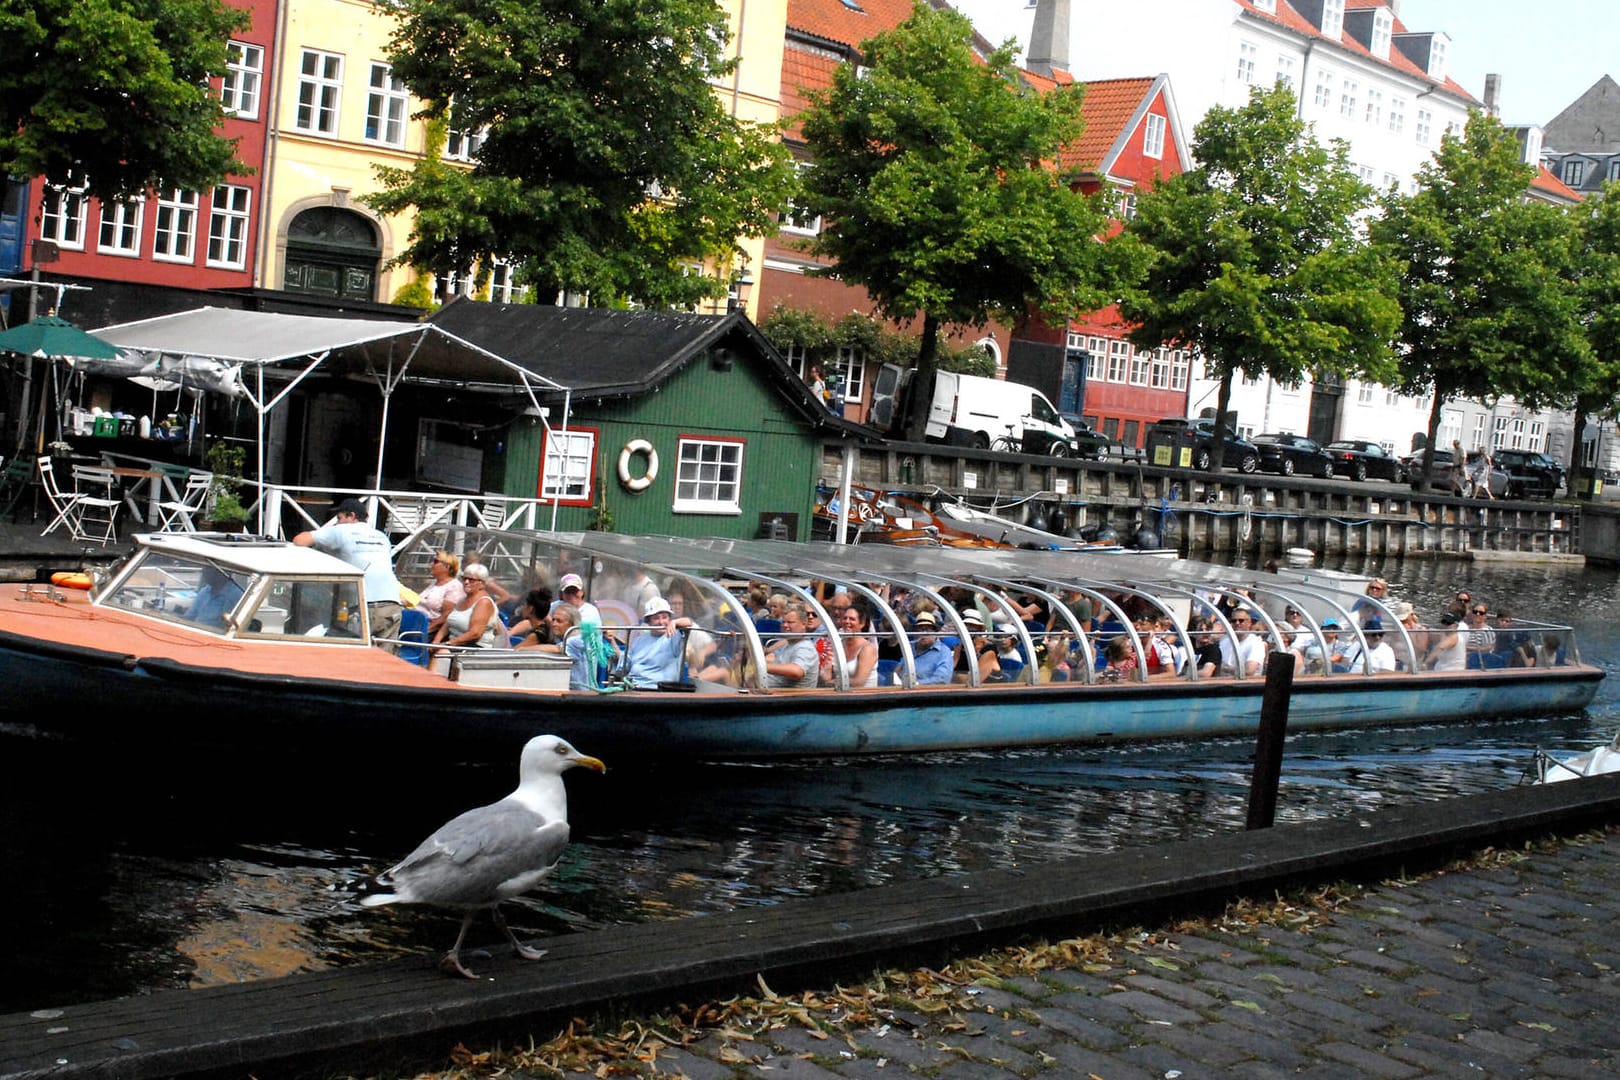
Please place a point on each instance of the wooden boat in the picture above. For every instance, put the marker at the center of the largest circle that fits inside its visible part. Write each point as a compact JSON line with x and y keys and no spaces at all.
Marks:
{"x":290,"y":664}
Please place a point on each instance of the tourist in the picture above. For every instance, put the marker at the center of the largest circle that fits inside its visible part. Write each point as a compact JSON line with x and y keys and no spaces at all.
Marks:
{"x":1481,"y":638}
{"x":475,"y":622}
{"x":791,"y":662}
{"x":1380,"y":656}
{"x":1512,"y":644}
{"x":933,"y":657}
{"x":361,"y":546}
{"x":1448,"y":648}
{"x":1247,"y":652}
{"x":445,"y":592}
{"x":977,"y":651}
{"x":1407,"y":616}
{"x":533,"y":623}
{"x":1206,"y":646}
{"x":654,"y":654}
{"x":859,"y":662}
{"x":562,"y":621}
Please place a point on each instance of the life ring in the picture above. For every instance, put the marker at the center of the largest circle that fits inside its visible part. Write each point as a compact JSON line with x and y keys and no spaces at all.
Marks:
{"x":66,"y":579}
{"x":631,"y":449}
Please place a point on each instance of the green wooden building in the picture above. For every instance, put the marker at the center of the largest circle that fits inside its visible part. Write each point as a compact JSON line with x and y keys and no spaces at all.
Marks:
{"x":676,"y":424}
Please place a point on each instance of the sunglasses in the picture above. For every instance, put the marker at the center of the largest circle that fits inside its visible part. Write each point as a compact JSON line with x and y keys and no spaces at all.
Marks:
{"x":1481,"y":611}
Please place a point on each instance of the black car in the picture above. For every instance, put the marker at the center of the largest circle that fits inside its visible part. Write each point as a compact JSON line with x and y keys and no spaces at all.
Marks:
{"x":1088,"y":441}
{"x":1360,"y":459}
{"x":1179,"y":442}
{"x":1290,"y":454}
{"x":1441,"y":474}
{"x":1531,"y":472}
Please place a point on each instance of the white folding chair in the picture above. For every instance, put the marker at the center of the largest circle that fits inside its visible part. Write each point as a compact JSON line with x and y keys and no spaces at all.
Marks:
{"x":95,"y":512}
{"x":183,"y":513}
{"x":62,"y":502}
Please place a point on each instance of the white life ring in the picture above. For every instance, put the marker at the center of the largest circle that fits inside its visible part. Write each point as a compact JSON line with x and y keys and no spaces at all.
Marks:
{"x":631,"y":449}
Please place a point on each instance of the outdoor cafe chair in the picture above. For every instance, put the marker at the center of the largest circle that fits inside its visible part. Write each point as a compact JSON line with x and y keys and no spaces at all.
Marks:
{"x":181,"y":515}
{"x":95,"y":512}
{"x":63,"y":503}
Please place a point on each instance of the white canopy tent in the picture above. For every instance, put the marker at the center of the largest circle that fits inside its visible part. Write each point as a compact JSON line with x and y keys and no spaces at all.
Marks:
{"x":264,"y":355}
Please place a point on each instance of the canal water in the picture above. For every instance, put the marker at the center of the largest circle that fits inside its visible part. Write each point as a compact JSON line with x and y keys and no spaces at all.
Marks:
{"x":123,"y":878}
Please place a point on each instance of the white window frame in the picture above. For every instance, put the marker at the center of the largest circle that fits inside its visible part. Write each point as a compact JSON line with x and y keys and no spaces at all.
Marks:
{"x":1439,"y":47}
{"x":1614,"y":169}
{"x":228,"y":219}
{"x":795,"y":219}
{"x":62,"y":212}
{"x":568,"y":466}
{"x":1333,"y":19}
{"x":463,"y":145}
{"x":1323,"y":94}
{"x":1160,"y":377}
{"x":1349,"y":96}
{"x":1126,"y":207}
{"x":1153,"y":135}
{"x":797,"y":356}
{"x":708,"y":475}
{"x":1422,"y":128}
{"x":1364,"y":395}
{"x":447,"y":287}
{"x":1392,"y":397}
{"x":503,"y":286}
{"x":1248,"y":60}
{"x":1098,"y":348}
{"x":1180,"y":368}
{"x":388,"y":106}
{"x":1397,"y":115}
{"x":1141,"y":367}
{"x":174,"y":233}
{"x":1119,"y":361}
{"x":1375,"y":106}
{"x":1286,"y":65}
{"x":1536,"y":436}
{"x":122,"y":222}
{"x":244,"y":73}
{"x":1383,"y":28}
{"x":851,"y":366}
{"x":320,"y":92}
{"x":1450,"y":430}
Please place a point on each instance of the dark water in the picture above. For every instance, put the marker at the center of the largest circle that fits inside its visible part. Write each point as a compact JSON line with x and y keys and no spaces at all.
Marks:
{"x":124,"y":877}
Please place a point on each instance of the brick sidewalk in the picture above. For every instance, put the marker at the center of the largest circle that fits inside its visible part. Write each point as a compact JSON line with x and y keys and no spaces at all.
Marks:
{"x":1510,"y":970}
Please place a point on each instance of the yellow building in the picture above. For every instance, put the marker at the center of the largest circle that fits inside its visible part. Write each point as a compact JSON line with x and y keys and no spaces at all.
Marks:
{"x":337,"y":111}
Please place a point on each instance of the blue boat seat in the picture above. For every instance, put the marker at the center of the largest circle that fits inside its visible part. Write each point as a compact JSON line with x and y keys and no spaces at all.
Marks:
{"x":413,"y":624}
{"x":1494,"y":660}
{"x":768,"y":626}
{"x":1011,"y":666}
{"x":1474,"y":662}
{"x":886,"y":670}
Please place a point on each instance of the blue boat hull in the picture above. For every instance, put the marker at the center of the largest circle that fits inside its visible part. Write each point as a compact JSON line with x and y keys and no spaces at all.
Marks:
{"x":116,"y":700}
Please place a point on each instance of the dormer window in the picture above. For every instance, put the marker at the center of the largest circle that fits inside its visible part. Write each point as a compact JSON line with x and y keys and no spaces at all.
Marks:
{"x":1437,"y":57}
{"x":1269,"y":6}
{"x":1333,"y":19}
{"x":1153,"y":136}
{"x":1383,"y":26}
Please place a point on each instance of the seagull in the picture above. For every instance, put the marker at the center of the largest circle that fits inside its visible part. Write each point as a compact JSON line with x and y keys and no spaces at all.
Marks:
{"x":493,"y":853}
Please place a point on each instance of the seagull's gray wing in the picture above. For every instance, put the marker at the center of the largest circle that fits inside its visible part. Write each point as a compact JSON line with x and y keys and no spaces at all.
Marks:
{"x":473,"y":859}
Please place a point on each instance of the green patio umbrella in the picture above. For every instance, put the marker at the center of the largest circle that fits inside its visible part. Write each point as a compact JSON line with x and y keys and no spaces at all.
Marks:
{"x":51,"y":338}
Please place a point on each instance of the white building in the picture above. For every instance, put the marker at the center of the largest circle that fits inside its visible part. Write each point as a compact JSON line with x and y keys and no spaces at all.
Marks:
{"x":1360,"y":74}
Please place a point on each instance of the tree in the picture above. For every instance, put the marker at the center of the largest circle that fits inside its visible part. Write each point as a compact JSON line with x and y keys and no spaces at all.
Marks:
{"x":933,"y":172}
{"x":1486,"y":295}
{"x":609,"y":167}
{"x":1254,"y":258}
{"x":1598,"y":259}
{"x":114,"y":94}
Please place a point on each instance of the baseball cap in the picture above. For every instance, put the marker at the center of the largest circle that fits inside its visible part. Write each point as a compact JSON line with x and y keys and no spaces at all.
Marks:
{"x":571,"y":581}
{"x":926,"y":618}
{"x":654,"y":606}
{"x":1374,"y":625}
{"x":350,"y":506}
{"x":972,"y":618}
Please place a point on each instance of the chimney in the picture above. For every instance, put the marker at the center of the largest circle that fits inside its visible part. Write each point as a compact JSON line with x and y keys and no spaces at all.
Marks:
{"x":1493,"y":95}
{"x":1049,"y":38}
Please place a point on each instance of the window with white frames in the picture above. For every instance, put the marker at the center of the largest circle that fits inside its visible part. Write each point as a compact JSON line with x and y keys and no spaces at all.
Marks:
{"x":1536,"y":435}
{"x":1364,"y":395}
{"x":1332,"y":18}
{"x":462,"y":143}
{"x":1119,"y":356}
{"x":1389,"y":182}
{"x":1614,"y":169}
{"x":1269,"y":6}
{"x":1160,"y":379}
{"x":175,"y":237}
{"x":1179,"y":367}
{"x":121,"y":227}
{"x":1382,"y":27}
{"x":851,"y":368}
{"x":1349,"y":95}
{"x":1516,"y":432}
{"x":239,"y":91}
{"x":503,"y":286}
{"x":1450,"y":429}
{"x":566,"y":464}
{"x":798,"y":218}
{"x":1397,"y":115}
{"x":1375,"y":107}
{"x":1420,"y":130}
{"x":1392,"y":397}
{"x":1499,"y":426}
{"x":708,"y":476}
{"x":449,"y":286}
{"x":1574,"y":172}
{"x":1323,"y":96}
{"x":797,"y":356}
{"x":1098,"y":348}
{"x":1248,"y":57}
{"x":1153,"y":135}
{"x":387,"y":105}
{"x":1127,"y":204}
{"x":1141,"y":365}
{"x":1479,"y":432}
{"x":228,"y":227}
{"x":1286,"y":66}
{"x":61,"y":217}
{"x":1438,"y":48}
{"x":320,"y":87}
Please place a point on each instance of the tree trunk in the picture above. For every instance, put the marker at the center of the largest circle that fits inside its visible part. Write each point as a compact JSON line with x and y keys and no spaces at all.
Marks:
{"x":922,"y":381}
{"x":1223,"y":399}
{"x":1426,"y":464}
{"x":1578,"y":472}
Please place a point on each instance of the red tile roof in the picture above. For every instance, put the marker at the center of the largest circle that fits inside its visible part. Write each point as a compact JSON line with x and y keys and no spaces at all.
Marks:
{"x":1546,"y":181}
{"x":1107,"y":107}
{"x":836,"y":21}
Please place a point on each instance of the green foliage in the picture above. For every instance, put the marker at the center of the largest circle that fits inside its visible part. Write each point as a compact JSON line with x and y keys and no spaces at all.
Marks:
{"x":932,"y":173}
{"x":973,"y":360}
{"x":227,"y":509}
{"x":878,"y":344}
{"x":610,"y":165}
{"x":226,"y":461}
{"x":601,"y":516}
{"x":1253,"y":259}
{"x":417,"y":294}
{"x":114,"y":93}
{"x":1486,"y":294}
{"x":1597,"y":256}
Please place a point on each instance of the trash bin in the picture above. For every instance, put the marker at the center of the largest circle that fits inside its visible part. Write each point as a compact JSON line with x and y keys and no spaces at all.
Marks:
{"x":1170,"y":446}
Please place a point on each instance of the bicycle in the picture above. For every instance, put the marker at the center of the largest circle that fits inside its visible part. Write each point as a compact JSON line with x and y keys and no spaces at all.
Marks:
{"x":1008,"y":444}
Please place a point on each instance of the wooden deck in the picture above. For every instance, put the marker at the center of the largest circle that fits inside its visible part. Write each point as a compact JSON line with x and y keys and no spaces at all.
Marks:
{"x":388,"y":1016}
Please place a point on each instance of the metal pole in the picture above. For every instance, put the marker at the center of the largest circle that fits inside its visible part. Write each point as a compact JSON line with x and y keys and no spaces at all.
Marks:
{"x":1268,"y":745}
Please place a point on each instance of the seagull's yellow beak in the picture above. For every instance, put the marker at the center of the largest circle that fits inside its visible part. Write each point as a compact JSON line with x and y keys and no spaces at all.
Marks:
{"x":587,"y":762}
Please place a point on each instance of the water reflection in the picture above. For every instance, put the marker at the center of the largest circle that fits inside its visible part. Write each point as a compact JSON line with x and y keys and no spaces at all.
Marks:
{"x":125,"y":877}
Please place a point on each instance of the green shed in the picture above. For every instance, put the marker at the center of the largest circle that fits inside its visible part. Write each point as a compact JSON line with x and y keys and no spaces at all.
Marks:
{"x":677,"y":424}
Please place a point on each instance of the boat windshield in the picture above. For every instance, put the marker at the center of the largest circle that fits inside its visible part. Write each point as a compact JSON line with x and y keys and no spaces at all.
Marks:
{"x":223,"y":599}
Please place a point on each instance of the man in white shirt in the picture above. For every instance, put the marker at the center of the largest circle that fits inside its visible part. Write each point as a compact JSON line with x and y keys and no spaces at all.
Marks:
{"x":352,"y":539}
{"x":1250,"y":650}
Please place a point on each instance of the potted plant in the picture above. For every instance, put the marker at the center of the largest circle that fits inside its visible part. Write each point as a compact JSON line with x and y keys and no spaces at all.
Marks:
{"x":225,"y":510}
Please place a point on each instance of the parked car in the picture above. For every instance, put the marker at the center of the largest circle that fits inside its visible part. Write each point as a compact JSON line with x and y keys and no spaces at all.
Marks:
{"x":1533,"y":472}
{"x":1088,"y":441}
{"x":1177,"y":442}
{"x":1289,"y":454}
{"x":1360,"y":459}
{"x":1441,"y":472}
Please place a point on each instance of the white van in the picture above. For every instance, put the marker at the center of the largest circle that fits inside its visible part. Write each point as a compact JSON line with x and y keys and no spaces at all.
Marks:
{"x":970,"y":410}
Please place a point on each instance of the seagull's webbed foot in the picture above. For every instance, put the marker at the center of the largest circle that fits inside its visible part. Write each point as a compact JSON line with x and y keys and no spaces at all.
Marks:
{"x":451,"y":965}
{"x":517,"y":946}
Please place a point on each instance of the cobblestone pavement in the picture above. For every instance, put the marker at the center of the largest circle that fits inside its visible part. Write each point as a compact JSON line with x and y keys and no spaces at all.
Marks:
{"x":1508,"y":969}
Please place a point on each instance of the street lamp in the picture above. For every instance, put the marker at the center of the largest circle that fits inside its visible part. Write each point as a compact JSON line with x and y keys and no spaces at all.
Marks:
{"x":737,"y":295}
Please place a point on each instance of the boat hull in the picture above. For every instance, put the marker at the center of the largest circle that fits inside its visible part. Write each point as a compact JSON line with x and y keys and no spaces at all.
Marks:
{"x":163,"y":702}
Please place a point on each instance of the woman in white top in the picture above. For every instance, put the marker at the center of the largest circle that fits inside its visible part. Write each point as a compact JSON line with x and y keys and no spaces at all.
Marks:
{"x":445,"y":592}
{"x":474,"y":622}
{"x":860,"y":652}
{"x":1448,"y":649}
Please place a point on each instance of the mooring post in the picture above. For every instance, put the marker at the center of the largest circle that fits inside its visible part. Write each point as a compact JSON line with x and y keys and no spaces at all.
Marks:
{"x":1268,"y":745}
